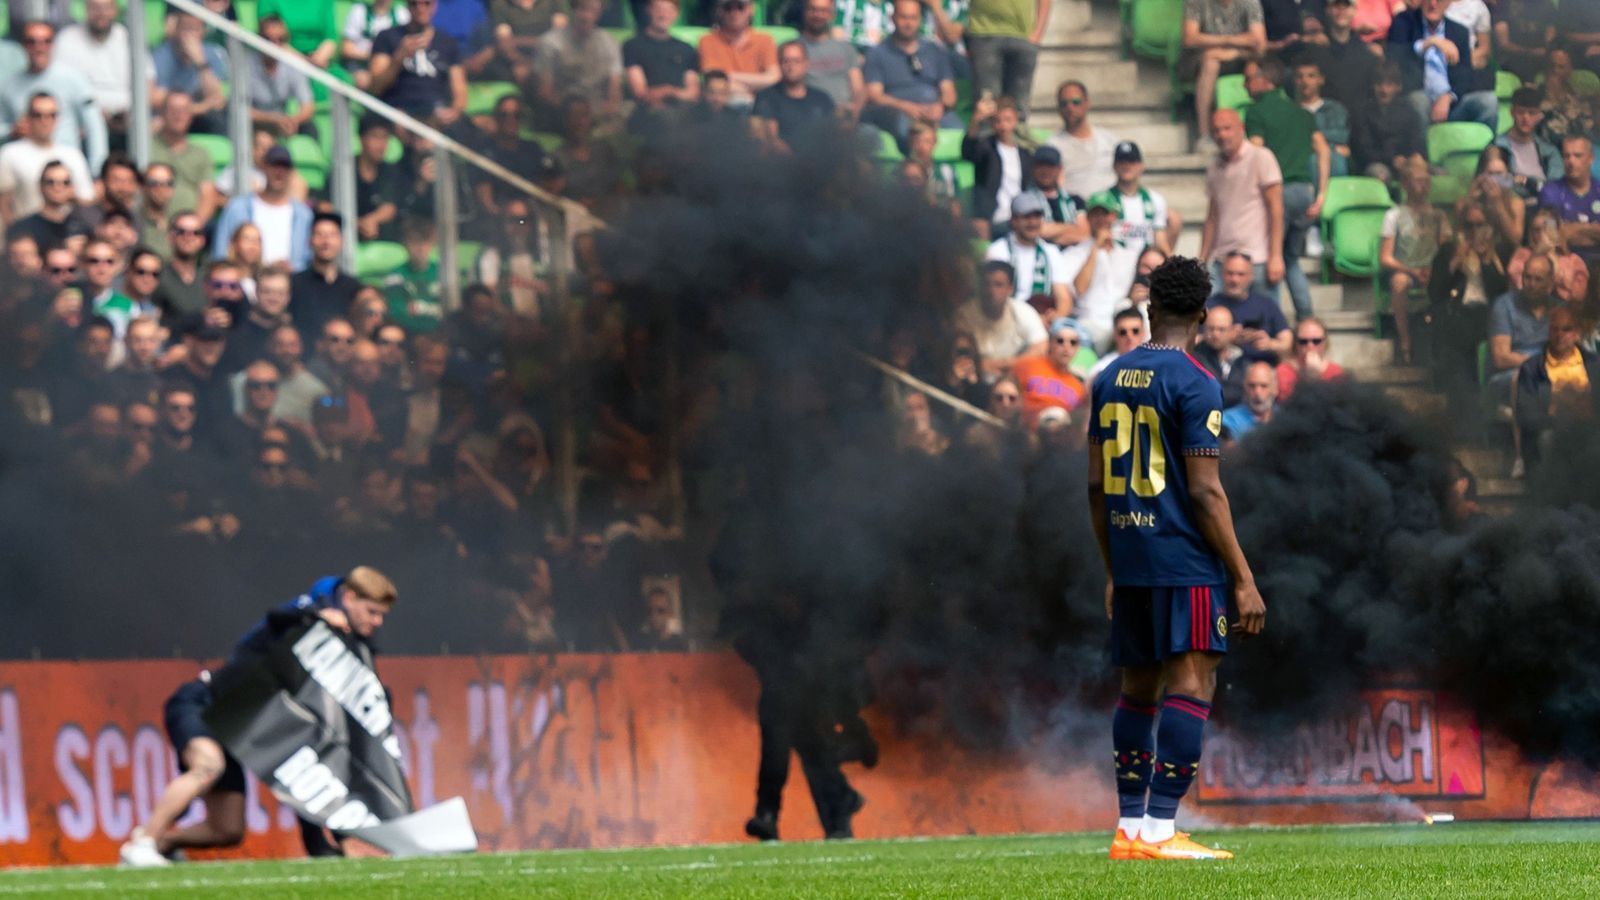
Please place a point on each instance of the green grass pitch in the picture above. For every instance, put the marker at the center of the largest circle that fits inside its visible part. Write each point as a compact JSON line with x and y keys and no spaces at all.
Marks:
{"x":1457,"y":861}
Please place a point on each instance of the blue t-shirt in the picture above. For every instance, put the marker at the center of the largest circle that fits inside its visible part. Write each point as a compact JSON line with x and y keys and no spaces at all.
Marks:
{"x":1152,"y":407}
{"x":465,"y":20}
{"x":1254,"y":311}
{"x":891,"y":67}
{"x":423,"y":83}
{"x":175,"y":73}
{"x":1527,"y":331}
{"x":1238,"y":421}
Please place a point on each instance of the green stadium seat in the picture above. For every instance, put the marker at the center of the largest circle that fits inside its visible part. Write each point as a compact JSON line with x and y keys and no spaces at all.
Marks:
{"x":1586,"y":82}
{"x":1352,"y":212}
{"x":947,"y":147}
{"x":1506,"y":84}
{"x":155,"y":21}
{"x":482,"y":97}
{"x":966,"y":178}
{"x":376,"y":259}
{"x":546,"y":141}
{"x":306,"y":151}
{"x":1505,"y":123}
{"x":316,"y":179}
{"x":889,"y":150}
{"x":690,"y":34}
{"x":1155,"y":26}
{"x":1448,"y":188}
{"x":1231,"y":93}
{"x":467,"y":253}
{"x":220,"y":148}
{"x":248,"y":14}
{"x":1456,"y":146}
{"x":620,"y":35}
{"x":780,"y":33}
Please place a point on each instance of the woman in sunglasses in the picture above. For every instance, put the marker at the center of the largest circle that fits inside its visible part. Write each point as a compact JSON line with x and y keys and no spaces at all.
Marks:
{"x":1310,"y":360}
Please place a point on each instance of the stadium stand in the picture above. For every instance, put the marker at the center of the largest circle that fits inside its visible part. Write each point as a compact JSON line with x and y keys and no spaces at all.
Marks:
{"x":396,"y":412}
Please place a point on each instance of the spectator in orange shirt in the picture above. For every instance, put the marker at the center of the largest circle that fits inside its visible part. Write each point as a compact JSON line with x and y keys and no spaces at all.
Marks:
{"x":749,"y":57}
{"x":1047,"y":380}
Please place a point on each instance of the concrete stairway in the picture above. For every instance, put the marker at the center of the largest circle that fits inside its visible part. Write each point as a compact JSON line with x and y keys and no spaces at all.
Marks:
{"x":1129,"y":98}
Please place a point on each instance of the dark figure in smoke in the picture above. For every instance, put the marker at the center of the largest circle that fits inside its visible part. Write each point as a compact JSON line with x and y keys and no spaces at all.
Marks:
{"x":1166,"y":533}
{"x":808,"y":664}
{"x":355,"y":604}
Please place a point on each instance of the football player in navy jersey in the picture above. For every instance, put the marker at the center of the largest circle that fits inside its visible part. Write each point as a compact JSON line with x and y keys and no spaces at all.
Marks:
{"x":1166,"y":534}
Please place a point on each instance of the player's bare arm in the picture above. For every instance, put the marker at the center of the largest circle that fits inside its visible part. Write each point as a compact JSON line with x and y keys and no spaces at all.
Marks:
{"x":1215,"y":520}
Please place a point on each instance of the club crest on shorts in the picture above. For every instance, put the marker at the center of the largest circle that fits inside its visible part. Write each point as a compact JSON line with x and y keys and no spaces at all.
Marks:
{"x":1222,"y":626}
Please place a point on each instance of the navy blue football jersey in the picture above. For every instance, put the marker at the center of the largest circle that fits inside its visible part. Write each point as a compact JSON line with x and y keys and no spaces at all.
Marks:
{"x":1152,"y":407}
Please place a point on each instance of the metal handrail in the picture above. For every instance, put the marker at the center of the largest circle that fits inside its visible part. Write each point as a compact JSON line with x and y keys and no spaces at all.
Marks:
{"x":576,"y":213}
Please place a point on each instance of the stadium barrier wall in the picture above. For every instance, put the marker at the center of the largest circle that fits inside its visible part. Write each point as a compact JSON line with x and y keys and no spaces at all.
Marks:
{"x":611,"y":751}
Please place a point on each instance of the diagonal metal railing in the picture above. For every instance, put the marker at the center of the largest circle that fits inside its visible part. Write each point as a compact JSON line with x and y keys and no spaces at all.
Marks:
{"x":564,"y":217}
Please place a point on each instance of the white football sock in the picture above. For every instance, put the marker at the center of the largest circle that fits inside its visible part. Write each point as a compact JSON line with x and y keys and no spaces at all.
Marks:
{"x":1154,"y":830}
{"x":1130,"y":825}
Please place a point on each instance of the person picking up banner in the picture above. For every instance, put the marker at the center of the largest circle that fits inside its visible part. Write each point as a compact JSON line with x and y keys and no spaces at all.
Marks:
{"x":284,"y":662}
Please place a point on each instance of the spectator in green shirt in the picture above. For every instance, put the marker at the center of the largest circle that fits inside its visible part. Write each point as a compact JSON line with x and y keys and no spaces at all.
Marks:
{"x":413,"y":291}
{"x":1003,"y":41}
{"x":1290,"y":132}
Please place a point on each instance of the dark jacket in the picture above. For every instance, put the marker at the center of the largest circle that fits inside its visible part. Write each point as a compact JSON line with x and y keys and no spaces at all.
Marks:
{"x":1378,"y":134}
{"x":1533,"y":397}
{"x":1446,"y":287}
{"x":1233,"y":382}
{"x":984,"y":154}
{"x":1408,"y":28}
{"x":323,"y":594}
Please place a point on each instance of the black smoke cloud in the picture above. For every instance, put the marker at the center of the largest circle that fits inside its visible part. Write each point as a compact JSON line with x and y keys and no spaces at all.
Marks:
{"x":971,"y":583}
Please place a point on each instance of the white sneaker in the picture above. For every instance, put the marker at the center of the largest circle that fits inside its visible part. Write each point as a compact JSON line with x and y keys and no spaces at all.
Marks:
{"x":1313,"y":243}
{"x":1205,"y":146}
{"x":140,"y":851}
{"x":1518,"y":468}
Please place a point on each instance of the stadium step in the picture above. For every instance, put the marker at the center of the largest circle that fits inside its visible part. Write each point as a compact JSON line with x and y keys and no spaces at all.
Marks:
{"x":1070,"y":25}
{"x":1397,"y":376}
{"x":1419,"y":400}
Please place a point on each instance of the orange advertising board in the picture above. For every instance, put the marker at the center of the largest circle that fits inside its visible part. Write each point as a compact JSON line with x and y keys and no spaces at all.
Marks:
{"x":627,"y":750}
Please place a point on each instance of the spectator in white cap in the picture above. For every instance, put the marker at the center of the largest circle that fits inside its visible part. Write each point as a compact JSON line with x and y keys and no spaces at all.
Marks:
{"x":1040,"y":269}
{"x":1143,"y":217}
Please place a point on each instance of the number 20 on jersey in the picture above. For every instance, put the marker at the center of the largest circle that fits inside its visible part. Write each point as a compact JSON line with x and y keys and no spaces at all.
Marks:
{"x":1136,"y":430}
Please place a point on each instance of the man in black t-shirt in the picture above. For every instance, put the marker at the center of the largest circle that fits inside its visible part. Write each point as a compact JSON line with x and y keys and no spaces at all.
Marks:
{"x":661,"y":71}
{"x":379,"y":184}
{"x":1347,"y":61}
{"x":790,"y":110}
{"x":417,"y":68}
{"x":1524,"y":31}
{"x":507,"y":146}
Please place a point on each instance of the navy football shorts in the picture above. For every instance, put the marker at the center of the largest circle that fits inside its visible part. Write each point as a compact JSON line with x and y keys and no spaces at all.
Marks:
{"x":184,"y":715}
{"x":1150,"y":624}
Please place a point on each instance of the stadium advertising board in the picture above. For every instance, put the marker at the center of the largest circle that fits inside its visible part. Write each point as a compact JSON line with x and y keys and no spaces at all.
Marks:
{"x":1404,"y":743}
{"x":604,"y":751}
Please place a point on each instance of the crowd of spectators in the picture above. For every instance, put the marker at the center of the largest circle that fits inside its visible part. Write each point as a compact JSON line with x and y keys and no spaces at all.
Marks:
{"x":183,"y":336}
{"x":1469,"y":273}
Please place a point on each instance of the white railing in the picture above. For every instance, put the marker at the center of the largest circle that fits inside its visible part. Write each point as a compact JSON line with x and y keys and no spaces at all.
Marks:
{"x":563,"y":217}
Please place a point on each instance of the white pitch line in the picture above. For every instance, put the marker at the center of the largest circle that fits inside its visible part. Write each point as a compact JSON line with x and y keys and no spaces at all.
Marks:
{"x":202,"y":882}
